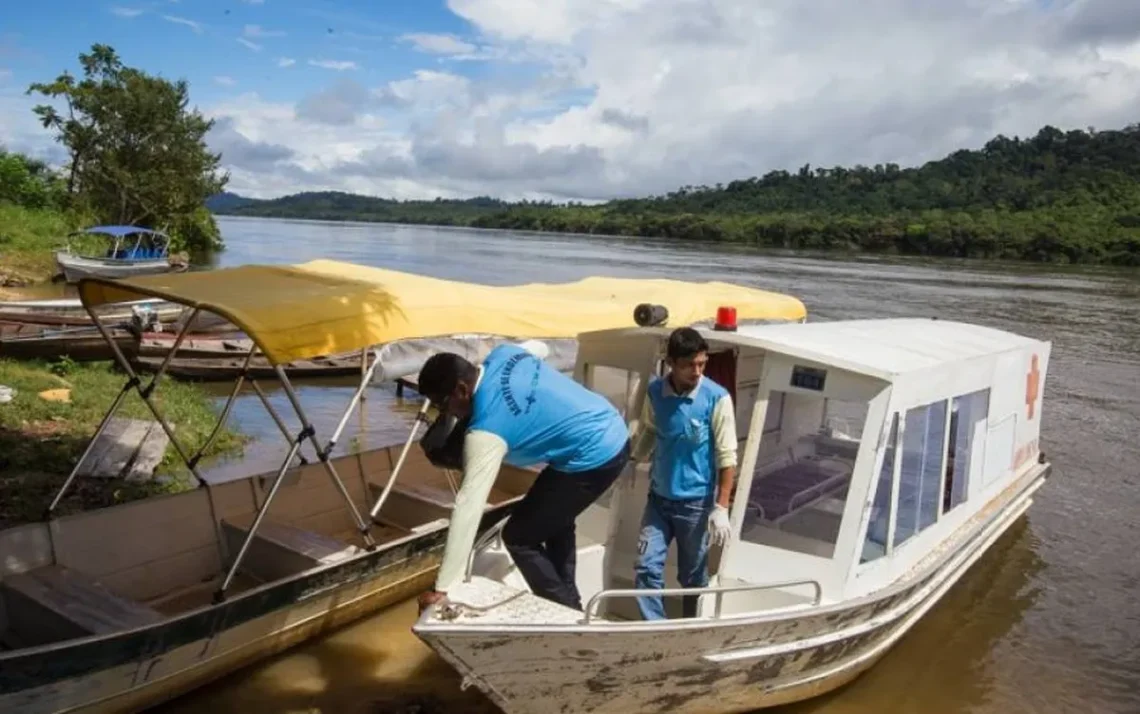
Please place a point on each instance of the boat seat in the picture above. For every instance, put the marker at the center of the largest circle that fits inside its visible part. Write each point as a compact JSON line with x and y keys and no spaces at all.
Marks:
{"x":55,"y":603}
{"x":411,"y":504}
{"x":279,"y":550}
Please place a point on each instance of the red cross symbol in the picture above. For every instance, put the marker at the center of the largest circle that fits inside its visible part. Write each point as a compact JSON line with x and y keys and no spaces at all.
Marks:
{"x":1032,"y":386}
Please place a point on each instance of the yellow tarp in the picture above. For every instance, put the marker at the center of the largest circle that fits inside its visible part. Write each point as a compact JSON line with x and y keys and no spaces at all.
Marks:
{"x":328,"y":307}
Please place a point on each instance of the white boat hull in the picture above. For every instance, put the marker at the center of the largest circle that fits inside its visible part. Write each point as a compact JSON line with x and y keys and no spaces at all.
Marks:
{"x":735,"y":664}
{"x":75,"y":267}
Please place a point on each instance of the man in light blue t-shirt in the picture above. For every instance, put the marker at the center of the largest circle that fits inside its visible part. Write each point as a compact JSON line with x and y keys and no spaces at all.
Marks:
{"x":689,"y":423}
{"x":522,"y":411}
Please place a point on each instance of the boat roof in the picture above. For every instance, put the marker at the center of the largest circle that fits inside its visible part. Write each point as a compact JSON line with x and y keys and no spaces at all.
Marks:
{"x":328,"y":307}
{"x":884,"y":348}
{"x":120,"y":231}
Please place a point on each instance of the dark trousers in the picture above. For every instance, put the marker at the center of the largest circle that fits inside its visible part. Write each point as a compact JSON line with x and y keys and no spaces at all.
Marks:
{"x":540,"y":535}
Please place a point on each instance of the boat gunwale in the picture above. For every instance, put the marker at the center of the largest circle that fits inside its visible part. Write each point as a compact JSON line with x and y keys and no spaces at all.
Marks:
{"x":885,"y":597}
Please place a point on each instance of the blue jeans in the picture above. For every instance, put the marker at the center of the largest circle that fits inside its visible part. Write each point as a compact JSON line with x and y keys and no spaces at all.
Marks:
{"x":665,"y":519}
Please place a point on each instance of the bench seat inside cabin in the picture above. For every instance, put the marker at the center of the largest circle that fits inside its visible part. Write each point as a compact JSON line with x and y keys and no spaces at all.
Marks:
{"x":55,"y":603}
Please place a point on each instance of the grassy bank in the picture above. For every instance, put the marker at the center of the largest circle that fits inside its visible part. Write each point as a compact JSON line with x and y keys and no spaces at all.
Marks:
{"x":41,"y":440}
{"x":28,"y":238}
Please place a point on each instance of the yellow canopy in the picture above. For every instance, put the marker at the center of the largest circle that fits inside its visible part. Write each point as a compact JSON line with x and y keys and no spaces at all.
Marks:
{"x":328,"y":307}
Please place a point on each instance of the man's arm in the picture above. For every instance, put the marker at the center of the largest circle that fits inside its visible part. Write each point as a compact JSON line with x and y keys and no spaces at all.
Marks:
{"x":483,"y":454}
{"x":724,"y":440}
{"x":646,"y":437}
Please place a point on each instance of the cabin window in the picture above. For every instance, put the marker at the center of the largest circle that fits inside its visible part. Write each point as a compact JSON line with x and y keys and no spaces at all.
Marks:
{"x":965,"y":452}
{"x":920,"y":472}
{"x":875,"y":545}
{"x":803,"y":471}
{"x":615,"y":384}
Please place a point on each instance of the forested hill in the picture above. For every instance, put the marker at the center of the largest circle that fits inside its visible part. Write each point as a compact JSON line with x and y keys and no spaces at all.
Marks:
{"x":1057,"y":196}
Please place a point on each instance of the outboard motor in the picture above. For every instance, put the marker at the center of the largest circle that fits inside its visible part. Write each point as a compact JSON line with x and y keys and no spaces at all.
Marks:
{"x":443,"y":441}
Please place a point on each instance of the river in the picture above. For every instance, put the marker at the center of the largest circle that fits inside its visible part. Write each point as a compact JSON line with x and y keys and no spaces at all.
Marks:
{"x":1047,"y":623}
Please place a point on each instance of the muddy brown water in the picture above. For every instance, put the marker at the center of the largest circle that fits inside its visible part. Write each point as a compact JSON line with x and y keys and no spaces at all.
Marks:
{"x":1048,"y":622}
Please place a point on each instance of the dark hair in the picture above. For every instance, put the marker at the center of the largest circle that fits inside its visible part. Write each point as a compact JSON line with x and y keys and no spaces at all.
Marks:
{"x":441,"y":372}
{"x":685,"y":343}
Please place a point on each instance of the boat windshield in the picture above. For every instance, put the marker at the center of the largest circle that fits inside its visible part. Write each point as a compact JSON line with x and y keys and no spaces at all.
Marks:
{"x":803,"y":471}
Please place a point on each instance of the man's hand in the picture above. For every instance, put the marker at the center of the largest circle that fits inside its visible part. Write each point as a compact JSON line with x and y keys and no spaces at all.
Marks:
{"x":719,"y":527}
{"x":430,"y":598}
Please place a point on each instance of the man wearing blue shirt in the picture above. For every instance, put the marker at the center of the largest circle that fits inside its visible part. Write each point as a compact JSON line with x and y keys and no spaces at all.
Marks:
{"x":689,"y":423}
{"x":523,"y":412}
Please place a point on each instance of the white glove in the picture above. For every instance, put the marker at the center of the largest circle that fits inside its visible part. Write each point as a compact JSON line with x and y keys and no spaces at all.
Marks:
{"x":719,"y":527}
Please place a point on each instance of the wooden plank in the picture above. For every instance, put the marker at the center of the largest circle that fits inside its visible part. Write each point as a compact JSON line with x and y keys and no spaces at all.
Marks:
{"x":119,"y":446}
{"x":149,"y":454}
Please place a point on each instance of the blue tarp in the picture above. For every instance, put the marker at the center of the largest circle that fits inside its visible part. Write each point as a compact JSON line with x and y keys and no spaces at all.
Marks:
{"x":120,"y":231}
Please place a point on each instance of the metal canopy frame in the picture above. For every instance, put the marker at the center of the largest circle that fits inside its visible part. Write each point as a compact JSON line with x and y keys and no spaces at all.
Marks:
{"x":295,"y":440}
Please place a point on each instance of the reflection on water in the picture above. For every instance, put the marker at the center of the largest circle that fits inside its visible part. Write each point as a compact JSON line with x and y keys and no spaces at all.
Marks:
{"x":1046,"y":623}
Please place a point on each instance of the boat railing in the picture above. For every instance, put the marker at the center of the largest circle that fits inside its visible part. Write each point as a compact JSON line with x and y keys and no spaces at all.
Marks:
{"x":717,"y":590}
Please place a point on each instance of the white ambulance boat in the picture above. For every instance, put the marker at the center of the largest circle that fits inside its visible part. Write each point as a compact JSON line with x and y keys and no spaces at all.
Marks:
{"x":880,"y":459}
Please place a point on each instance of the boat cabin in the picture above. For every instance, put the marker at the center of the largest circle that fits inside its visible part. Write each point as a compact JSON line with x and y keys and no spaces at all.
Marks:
{"x":864,"y":446}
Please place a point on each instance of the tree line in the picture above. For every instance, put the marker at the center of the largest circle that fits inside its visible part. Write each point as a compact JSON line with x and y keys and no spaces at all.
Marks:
{"x":1071,"y":197}
{"x":136,"y":153}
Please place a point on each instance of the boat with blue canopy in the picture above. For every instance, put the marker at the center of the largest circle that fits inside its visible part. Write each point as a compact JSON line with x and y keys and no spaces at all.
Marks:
{"x":121,"y":252}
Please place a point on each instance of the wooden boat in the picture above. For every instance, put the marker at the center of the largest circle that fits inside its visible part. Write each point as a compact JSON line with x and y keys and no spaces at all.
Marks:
{"x":131,"y":251}
{"x":121,"y":608}
{"x":71,"y":312}
{"x":22,"y":340}
{"x":208,"y":365}
{"x":881,"y":459}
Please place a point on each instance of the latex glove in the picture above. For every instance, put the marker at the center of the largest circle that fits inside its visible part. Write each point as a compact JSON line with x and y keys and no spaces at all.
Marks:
{"x":719,"y":527}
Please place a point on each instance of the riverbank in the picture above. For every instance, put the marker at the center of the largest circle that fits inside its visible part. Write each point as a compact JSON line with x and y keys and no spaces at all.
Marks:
{"x":28,"y":239}
{"x":42,"y":437}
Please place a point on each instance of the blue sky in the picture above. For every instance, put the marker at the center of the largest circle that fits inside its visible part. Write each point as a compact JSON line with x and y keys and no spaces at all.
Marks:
{"x":588,"y":99}
{"x":203,"y":40}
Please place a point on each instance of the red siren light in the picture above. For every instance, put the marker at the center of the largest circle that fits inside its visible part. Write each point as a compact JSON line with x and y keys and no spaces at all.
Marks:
{"x":725,"y":319}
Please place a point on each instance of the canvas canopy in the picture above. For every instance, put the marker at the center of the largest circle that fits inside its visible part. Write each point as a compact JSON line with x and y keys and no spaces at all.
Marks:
{"x":329,"y":307}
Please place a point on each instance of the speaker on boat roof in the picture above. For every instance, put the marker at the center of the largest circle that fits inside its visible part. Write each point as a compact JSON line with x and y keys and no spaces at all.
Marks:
{"x":443,"y":441}
{"x":647,"y":315}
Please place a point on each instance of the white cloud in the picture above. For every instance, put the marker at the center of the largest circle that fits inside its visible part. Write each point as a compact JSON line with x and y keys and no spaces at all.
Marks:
{"x":197,"y":27}
{"x":286,"y":62}
{"x":632,"y":97}
{"x":337,"y":65}
{"x":254,"y":2}
{"x":250,"y":44}
{"x":259,"y":31}
{"x":5,"y":74}
{"x":438,"y":44}
{"x":225,"y":81}
{"x":127,"y":12}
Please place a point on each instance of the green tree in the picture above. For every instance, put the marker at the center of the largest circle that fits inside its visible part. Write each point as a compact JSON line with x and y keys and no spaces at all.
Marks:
{"x":137,"y":153}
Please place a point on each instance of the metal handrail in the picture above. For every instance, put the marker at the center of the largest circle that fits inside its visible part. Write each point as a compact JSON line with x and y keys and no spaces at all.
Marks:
{"x":481,"y":544}
{"x":719,"y":591}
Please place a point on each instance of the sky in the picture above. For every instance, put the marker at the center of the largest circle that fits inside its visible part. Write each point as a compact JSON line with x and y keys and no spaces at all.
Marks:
{"x":587,"y":99}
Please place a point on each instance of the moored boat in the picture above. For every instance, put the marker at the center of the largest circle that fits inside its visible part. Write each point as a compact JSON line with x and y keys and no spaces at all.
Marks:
{"x":881,"y":459}
{"x":121,"y":608}
{"x":131,"y":251}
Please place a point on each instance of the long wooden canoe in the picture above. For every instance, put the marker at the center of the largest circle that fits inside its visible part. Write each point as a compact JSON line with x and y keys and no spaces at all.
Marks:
{"x":218,"y":368}
{"x":112,"y":610}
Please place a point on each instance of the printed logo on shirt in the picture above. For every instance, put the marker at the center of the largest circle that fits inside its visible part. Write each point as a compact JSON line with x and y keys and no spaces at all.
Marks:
{"x":508,"y":392}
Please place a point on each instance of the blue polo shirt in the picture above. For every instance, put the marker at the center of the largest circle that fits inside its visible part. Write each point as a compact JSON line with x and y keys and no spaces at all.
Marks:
{"x":543,"y":415}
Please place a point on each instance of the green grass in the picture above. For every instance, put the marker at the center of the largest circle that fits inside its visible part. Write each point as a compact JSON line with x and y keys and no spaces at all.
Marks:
{"x":28,"y":239}
{"x":40,"y":440}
